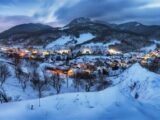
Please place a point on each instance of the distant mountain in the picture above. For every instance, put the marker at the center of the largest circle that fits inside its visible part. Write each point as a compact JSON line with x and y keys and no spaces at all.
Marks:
{"x":151,"y":31}
{"x":28,"y":34}
{"x":25,"y":28}
{"x":132,"y":35}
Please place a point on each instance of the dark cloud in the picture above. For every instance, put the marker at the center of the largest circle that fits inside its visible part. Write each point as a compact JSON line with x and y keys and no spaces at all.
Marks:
{"x":110,"y":11}
{"x":60,"y":12}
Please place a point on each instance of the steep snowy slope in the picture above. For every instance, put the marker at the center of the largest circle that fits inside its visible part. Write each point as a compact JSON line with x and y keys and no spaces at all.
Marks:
{"x":69,"y":39}
{"x":141,"y":83}
{"x":114,"y":103}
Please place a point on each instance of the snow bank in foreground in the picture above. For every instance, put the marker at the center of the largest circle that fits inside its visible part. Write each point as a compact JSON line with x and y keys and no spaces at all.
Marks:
{"x":104,"y":105}
{"x":114,"y":103}
{"x":65,"y":39}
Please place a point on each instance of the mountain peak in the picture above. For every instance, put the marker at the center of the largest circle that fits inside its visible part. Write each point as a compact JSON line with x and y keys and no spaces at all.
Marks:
{"x":80,"y":20}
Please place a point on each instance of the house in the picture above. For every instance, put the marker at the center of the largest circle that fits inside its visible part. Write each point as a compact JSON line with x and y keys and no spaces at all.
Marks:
{"x":86,"y":51}
{"x":64,"y":51}
{"x":113,"y":51}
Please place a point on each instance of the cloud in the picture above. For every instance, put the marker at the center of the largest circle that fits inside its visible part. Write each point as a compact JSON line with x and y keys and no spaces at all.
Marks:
{"x":46,"y":12}
{"x":111,"y":11}
{"x":19,"y":7}
{"x":60,"y":12}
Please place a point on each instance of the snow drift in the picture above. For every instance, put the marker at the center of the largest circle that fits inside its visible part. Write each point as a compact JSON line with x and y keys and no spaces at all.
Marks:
{"x":141,"y":83}
{"x":114,"y":103}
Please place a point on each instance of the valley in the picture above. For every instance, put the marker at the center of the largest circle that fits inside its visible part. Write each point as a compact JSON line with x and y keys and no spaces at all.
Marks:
{"x":86,"y":70}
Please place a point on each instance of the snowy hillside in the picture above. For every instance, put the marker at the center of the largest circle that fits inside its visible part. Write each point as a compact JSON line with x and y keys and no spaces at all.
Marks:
{"x":115,"y":103}
{"x":111,"y":104}
{"x":113,"y":42}
{"x":69,"y":39}
{"x":141,"y":83}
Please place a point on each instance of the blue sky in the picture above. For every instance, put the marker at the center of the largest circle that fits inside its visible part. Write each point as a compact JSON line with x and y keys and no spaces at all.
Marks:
{"x":60,"y":12}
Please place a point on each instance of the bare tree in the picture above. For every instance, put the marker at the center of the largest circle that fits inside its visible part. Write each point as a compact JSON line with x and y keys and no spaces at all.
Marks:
{"x":16,"y":59}
{"x":85,"y":78}
{"x":67,"y":77}
{"x":38,"y":84}
{"x":4,"y":73}
{"x":56,"y":82}
{"x":154,"y":65}
{"x":24,"y":77}
{"x":18,"y":72}
{"x":103,"y":84}
{"x":77,"y":80}
{"x":52,"y":80}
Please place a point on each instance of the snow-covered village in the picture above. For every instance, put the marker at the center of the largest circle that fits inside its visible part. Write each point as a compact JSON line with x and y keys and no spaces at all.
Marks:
{"x":79,"y":68}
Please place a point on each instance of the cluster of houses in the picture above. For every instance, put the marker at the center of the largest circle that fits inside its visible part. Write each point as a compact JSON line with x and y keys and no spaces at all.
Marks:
{"x":149,"y":57}
{"x":31,"y":53}
{"x":109,"y":62}
{"x":107,"y":65}
{"x":43,"y":53}
{"x":25,"y":53}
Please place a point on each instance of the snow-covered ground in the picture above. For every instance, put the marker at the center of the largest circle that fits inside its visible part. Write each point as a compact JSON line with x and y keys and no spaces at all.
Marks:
{"x":65,"y":39}
{"x":138,"y":80}
{"x":149,"y":48}
{"x":115,"y":103}
{"x":113,"y":42}
{"x":88,"y":58}
{"x":13,"y":86}
{"x":111,"y":104}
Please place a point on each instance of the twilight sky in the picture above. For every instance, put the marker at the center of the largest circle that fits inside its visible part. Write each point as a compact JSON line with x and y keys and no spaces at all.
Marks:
{"x":60,"y":12}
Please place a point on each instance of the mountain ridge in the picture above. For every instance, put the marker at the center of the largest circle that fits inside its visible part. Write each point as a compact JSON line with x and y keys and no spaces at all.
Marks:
{"x":129,"y":33}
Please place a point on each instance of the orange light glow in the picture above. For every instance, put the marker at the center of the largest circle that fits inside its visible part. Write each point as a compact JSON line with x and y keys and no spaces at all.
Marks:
{"x":87,"y":71}
{"x":34,"y":51}
{"x":147,"y":56}
{"x":22,"y":54}
{"x":70,"y":72}
{"x":45,"y":53}
{"x":113,"y":51}
{"x":58,"y":71}
{"x":143,"y":62}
